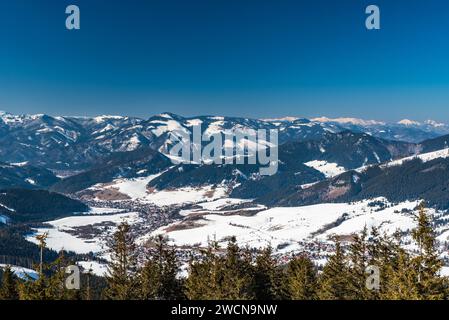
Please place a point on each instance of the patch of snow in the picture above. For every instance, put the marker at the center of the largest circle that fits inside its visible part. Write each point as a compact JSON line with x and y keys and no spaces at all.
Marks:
{"x":7,"y":208}
{"x":329,"y":169}
{"x":21,"y":272}
{"x":214,"y":128}
{"x":218,"y":204}
{"x":434,"y":123}
{"x":102,"y":211}
{"x":96,"y":268}
{"x":59,"y":237}
{"x":133,"y":143}
{"x":30,"y":181}
{"x":444,"y":271}
{"x":284,"y":119}
{"x":20,"y":164}
{"x":101,"y":119}
{"x":167,"y":126}
{"x":407,"y":122}
{"x":376,"y":156}
{"x":108,"y":127}
{"x":185,"y":195}
{"x":350,"y":121}
{"x":194,"y":122}
{"x":425,"y":157}
{"x":3,"y":219}
{"x":134,"y":188}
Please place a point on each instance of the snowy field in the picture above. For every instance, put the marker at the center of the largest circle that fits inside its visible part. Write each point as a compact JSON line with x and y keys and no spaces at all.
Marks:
{"x":286,"y":228}
{"x":329,"y":169}
{"x":221,"y":203}
{"x":61,"y":233}
{"x":22,"y":273}
{"x":93,"y":267}
{"x":136,"y":190}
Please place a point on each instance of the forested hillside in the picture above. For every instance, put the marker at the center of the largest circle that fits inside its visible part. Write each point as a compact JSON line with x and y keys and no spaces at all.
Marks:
{"x":412,"y":180}
{"x":22,"y":205}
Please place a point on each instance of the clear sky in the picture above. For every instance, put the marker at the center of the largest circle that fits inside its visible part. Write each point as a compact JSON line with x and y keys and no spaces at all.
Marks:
{"x":257,"y":58}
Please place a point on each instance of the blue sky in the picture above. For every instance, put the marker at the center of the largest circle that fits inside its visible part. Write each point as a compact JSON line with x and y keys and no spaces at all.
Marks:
{"x":257,"y":58}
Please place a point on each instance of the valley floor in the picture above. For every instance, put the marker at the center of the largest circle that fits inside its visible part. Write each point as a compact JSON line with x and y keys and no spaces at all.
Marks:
{"x":193,"y":217}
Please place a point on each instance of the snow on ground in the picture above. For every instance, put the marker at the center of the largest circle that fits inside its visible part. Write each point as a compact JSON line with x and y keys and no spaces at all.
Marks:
{"x":444,"y":271}
{"x":167,"y":126}
{"x":7,"y":208}
{"x":329,"y":169}
{"x":60,"y":234}
{"x":3,"y":219}
{"x":221,"y":203}
{"x":136,"y":189}
{"x":102,"y":211}
{"x":185,"y":195}
{"x":286,"y":227}
{"x":349,"y":120}
{"x":444,"y":236}
{"x":22,"y":273}
{"x":425,"y":157}
{"x":96,"y":268}
{"x":30,"y":181}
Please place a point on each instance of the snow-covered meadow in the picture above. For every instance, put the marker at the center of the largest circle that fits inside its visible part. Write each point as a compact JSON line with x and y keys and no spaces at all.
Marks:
{"x":136,"y":190}
{"x":21,"y":272}
{"x":287,"y":228}
{"x":62,"y":232}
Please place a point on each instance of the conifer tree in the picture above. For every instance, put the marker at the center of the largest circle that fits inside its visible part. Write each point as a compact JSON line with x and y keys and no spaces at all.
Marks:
{"x":334,"y":278}
{"x":279,"y":283}
{"x":218,"y":276}
{"x":50,"y":284}
{"x":301,"y":279}
{"x":8,"y":289}
{"x":402,"y":284}
{"x":121,"y":277}
{"x":387,"y":258}
{"x":358,"y":258}
{"x":236,"y":274}
{"x":427,"y":263}
{"x":87,"y":290}
{"x":37,"y":289}
{"x":266,"y":284}
{"x":56,"y":280}
{"x":203,"y":282}
{"x":31,"y":289}
{"x":159,"y":274}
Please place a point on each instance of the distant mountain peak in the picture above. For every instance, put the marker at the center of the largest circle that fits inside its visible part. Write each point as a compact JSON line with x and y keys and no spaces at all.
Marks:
{"x":408,"y":122}
{"x":286,"y":119}
{"x":355,"y":121}
{"x":434,"y":123}
{"x":103,"y":118}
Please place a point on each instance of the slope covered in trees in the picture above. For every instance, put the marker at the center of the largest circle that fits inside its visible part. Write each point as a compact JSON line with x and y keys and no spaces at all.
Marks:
{"x":413,"y":180}
{"x":22,"y":205}
{"x":116,"y":165}
{"x":25,"y":176}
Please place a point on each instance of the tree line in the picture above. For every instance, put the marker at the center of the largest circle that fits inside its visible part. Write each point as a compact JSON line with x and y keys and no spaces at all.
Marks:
{"x":236,"y":272}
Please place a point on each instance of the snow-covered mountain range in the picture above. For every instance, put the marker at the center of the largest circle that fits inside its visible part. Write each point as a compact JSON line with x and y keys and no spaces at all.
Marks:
{"x":68,"y":143}
{"x":334,"y":176}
